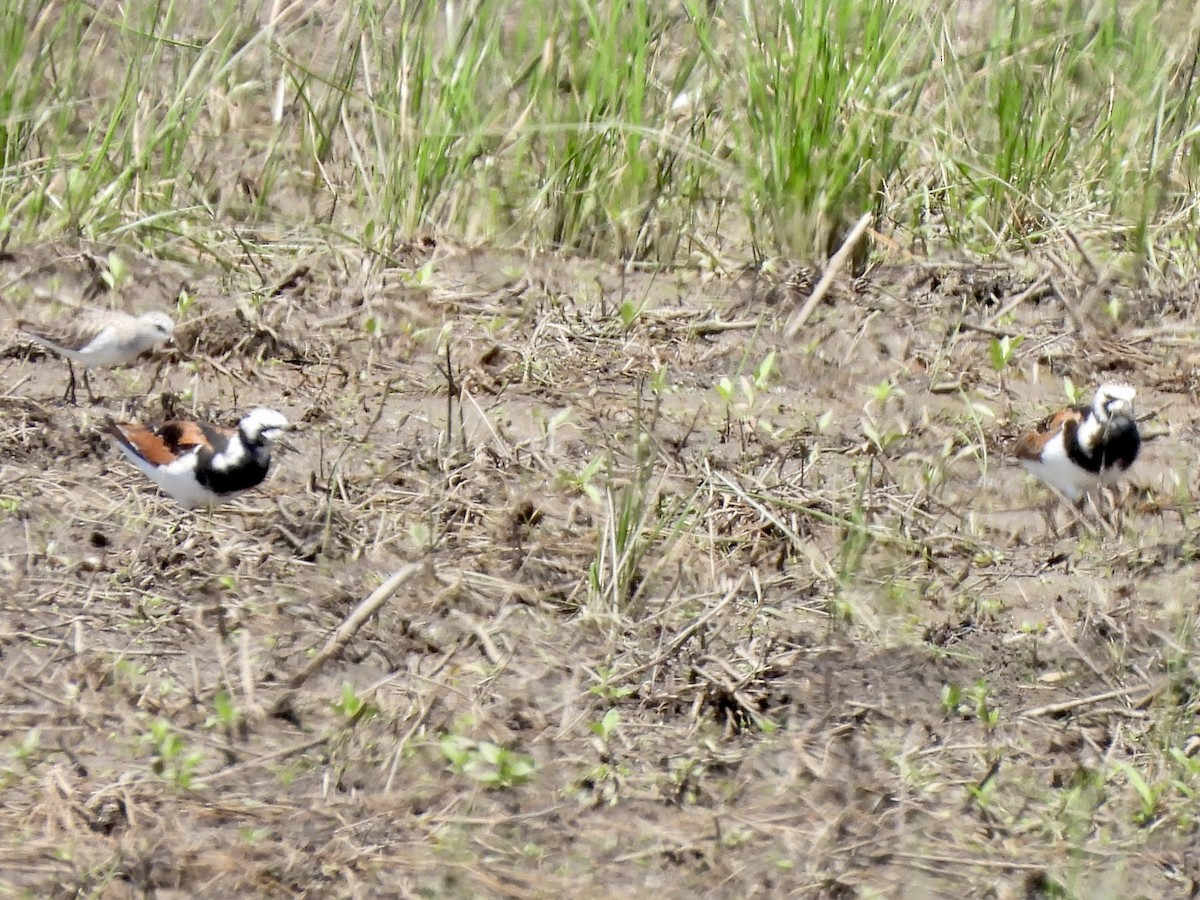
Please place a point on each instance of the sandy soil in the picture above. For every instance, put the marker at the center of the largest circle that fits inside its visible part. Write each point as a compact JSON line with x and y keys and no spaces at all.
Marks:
{"x":851,"y":649}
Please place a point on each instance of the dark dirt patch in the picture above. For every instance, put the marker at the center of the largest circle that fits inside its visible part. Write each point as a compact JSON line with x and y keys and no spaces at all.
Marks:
{"x":846,"y":653}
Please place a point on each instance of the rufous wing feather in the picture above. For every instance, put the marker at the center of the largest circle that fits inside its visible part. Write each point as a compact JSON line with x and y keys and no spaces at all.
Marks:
{"x":1031,"y":444}
{"x":143,"y":442}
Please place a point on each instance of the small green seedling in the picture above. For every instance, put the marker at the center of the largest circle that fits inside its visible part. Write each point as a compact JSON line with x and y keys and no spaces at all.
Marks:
{"x":352,"y":706}
{"x":985,"y":712}
{"x":582,"y":481}
{"x":421,"y":277}
{"x":605,"y":689}
{"x":117,"y":272}
{"x":765,"y":372}
{"x":172,"y":759}
{"x":1074,"y":394}
{"x":607,"y":726}
{"x":883,"y":391}
{"x":490,"y":764}
{"x":225,"y":715}
{"x":1002,"y":351}
{"x":630,"y":312}
{"x":1149,"y":795}
{"x":658,"y":380}
{"x":951,"y":698}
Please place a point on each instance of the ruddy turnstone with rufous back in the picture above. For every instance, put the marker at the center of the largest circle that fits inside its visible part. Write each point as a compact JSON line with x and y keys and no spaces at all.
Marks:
{"x":1081,"y":447}
{"x":197,"y":464}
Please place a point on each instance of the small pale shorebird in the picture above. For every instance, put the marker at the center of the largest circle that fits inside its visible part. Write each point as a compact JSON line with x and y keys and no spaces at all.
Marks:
{"x":198,"y":464}
{"x":1082,"y":447}
{"x":101,"y":339}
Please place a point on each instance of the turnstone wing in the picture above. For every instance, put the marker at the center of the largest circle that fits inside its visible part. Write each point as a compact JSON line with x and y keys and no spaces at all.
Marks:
{"x":199,"y":464}
{"x":1078,"y":448}
{"x":101,"y":338}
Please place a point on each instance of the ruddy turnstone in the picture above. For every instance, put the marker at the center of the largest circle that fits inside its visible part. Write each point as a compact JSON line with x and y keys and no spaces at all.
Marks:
{"x":199,"y":464}
{"x":1081,"y":447}
{"x":101,"y":338}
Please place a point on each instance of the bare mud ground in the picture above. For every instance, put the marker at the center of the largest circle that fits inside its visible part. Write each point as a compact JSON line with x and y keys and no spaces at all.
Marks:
{"x":807,"y":631}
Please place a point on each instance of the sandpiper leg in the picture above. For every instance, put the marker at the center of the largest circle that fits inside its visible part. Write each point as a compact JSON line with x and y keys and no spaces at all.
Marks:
{"x":69,"y":394}
{"x":88,"y":386}
{"x":157,"y":374}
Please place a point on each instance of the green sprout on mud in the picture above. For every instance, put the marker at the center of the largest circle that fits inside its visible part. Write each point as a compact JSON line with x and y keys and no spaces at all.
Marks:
{"x":1185,"y":785}
{"x":972,"y":435}
{"x":658,"y":380}
{"x":983,"y":793}
{"x":606,"y":690}
{"x":613,"y":574}
{"x":765,"y":372}
{"x":1074,"y":394}
{"x":638,"y":522}
{"x":883,"y":391}
{"x":1075,"y":814}
{"x":629,"y":313}
{"x":549,"y":427}
{"x":725,"y":391}
{"x":1149,"y":796}
{"x":225,"y":716}
{"x":496,"y":767}
{"x":951,"y":698}
{"x":185,"y":301}
{"x":602,"y":784}
{"x":172,"y":759}
{"x":1001,"y":352}
{"x":583,"y":481}
{"x":493,"y":325}
{"x":421,"y":277}
{"x":685,"y":777}
{"x":607,"y":726}
{"x":29,"y":745}
{"x":987,"y":714}
{"x":750,"y":386}
{"x":353,"y":707}
{"x":881,"y":439}
{"x":116,"y":272}
{"x":128,"y":674}
{"x":740,"y":397}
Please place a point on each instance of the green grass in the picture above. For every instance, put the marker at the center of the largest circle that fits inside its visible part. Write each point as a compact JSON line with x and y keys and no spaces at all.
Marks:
{"x":669,"y":133}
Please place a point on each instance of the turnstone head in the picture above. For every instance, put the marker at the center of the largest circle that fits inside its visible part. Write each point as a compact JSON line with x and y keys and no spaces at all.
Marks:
{"x":101,"y":338}
{"x":199,"y":464}
{"x":1080,"y":447}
